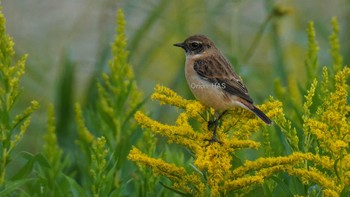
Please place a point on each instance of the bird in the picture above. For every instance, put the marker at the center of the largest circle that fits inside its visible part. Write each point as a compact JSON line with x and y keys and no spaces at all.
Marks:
{"x":213,"y":81}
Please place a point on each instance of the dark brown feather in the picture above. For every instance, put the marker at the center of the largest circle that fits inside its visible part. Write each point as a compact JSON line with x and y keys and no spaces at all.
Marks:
{"x":256,"y":111}
{"x":217,"y":70}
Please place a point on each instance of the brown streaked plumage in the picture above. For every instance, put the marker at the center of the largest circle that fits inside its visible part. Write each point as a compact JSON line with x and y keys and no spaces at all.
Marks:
{"x":212,"y":79}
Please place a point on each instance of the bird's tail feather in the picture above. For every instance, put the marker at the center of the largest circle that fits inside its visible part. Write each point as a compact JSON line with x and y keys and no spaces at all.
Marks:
{"x":260,"y":114}
{"x":250,"y":106}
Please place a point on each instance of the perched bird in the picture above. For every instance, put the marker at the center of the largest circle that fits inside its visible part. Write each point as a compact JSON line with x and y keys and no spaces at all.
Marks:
{"x":213,"y":81}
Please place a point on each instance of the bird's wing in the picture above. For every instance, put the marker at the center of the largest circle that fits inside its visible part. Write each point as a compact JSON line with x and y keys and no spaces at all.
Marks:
{"x":219,"y":72}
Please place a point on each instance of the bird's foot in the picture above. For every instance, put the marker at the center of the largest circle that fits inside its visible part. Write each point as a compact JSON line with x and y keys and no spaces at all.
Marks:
{"x":212,"y":123}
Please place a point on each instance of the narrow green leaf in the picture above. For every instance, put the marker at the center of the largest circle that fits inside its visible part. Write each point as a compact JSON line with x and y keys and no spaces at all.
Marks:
{"x":25,"y":170}
{"x":174,"y":190}
{"x":42,"y":160}
{"x":345,"y":192}
{"x":266,"y":189}
{"x":75,"y":188}
{"x":27,"y":155}
{"x":12,"y":186}
{"x":283,"y":186}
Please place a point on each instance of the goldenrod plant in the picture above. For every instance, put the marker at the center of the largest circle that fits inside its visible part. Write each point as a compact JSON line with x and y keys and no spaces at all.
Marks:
{"x":12,"y":127}
{"x":319,"y":154}
{"x":106,"y":129}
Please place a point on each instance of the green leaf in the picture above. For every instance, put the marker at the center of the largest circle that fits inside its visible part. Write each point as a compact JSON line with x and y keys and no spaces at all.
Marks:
{"x":12,"y":186}
{"x":283,"y":186}
{"x":27,"y":155}
{"x":25,"y":170}
{"x":345,"y":192}
{"x":266,"y":189}
{"x":42,"y":160}
{"x":28,"y":167}
{"x":75,"y":188}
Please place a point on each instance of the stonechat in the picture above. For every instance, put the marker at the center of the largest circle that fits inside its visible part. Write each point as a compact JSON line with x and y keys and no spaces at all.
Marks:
{"x":213,"y":81}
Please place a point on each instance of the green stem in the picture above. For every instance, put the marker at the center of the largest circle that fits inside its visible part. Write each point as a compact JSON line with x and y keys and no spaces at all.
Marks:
{"x":257,"y":39}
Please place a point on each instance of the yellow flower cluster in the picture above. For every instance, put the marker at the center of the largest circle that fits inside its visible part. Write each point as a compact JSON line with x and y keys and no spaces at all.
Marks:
{"x":213,"y":162}
{"x":331,"y":128}
{"x":12,"y":127}
{"x":167,"y":96}
{"x":189,"y":183}
{"x":213,"y":173}
{"x":328,"y":132}
{"x":284,"y":124}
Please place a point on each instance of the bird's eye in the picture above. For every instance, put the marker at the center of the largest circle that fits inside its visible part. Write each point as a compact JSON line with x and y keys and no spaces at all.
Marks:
{"x":195,"y":45}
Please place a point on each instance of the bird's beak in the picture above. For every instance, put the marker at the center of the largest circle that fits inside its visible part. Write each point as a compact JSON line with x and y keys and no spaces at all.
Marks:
{"x":181,"y":44}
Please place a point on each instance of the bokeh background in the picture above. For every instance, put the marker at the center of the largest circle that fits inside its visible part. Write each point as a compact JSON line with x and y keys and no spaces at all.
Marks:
{"x":68,"y":43}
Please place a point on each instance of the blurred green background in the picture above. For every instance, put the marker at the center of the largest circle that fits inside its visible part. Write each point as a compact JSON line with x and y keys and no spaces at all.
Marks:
{"x":68,"y":43}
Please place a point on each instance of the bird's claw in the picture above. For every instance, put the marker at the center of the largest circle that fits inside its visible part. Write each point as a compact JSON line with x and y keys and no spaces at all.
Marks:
{"x":211,"y":123}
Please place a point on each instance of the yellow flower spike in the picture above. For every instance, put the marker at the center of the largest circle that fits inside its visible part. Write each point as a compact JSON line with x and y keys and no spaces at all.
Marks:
{"x":167,"y":96}
{"x":269,"y":171}
{"x":247,"y":128}
{"x":338,"y":99}
{"x":334,"y":119}
{"x":182,"y":134}
{"x":228,"y":121}
{"x":329,"y":140}
{"x":266,"y":167}
{"x":322,"y":161}
{"x":317,"y":128}
{"x":316,"y":177}
{"x":346,"y":176}
{"x":184,"y":128}
{"x":161,"y":167}
{"x":308,"y":98}
{"x":261,"y":163}
{"x":243,"y":182}
{"x":182,"y":179}
{"x":194,"y":110}
{"x":330,"y":193}
{"x":241,"y":144}
{"x":214,"y":159}
{"x":273,"y":108}
{"x":324,"y":88}
{"x":306,"y":109}
{"x":182,"y":120}
{"x":338,"y":146}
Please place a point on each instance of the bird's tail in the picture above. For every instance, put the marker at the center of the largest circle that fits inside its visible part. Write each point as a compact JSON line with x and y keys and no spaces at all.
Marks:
{"x":260,"y":114}
{"x":251,"y":107}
